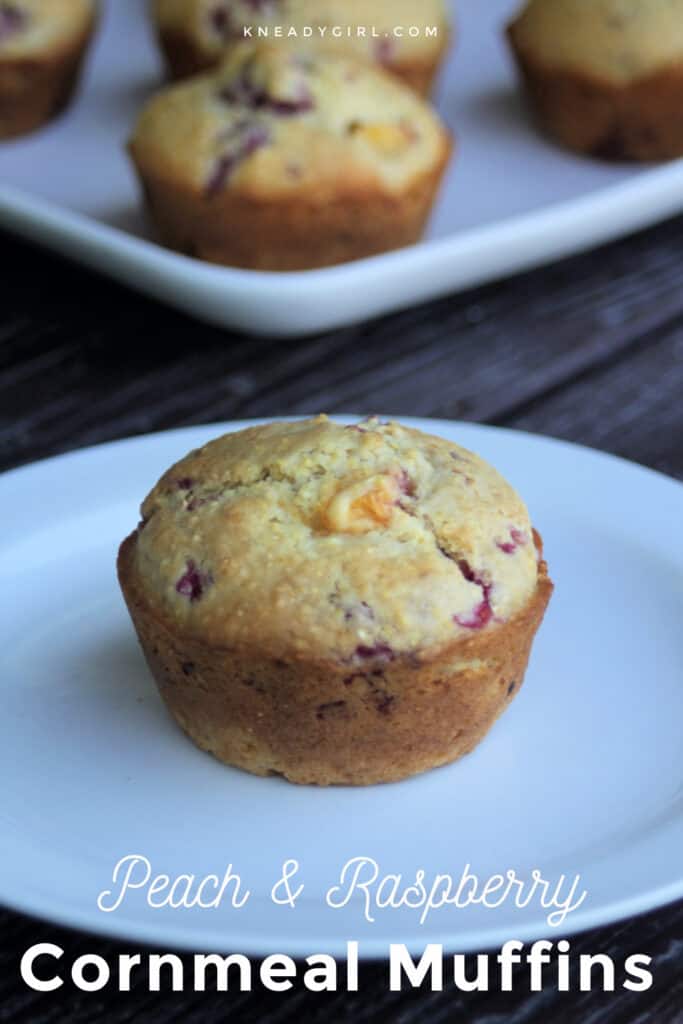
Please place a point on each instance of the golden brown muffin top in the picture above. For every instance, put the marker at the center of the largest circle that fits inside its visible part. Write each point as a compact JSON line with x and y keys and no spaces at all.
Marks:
{"x":213,"y":25}
{"x":617,"y":40}
{"x":273,"y":121}
{"x":28,"y":27}
{"x":316,"y":540}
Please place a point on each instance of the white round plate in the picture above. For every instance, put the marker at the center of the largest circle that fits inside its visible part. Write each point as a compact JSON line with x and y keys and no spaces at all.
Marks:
{"x":583,"y":775}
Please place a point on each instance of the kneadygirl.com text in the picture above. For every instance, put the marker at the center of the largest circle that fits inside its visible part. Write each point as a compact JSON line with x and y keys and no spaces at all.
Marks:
{"x":326,"y":32}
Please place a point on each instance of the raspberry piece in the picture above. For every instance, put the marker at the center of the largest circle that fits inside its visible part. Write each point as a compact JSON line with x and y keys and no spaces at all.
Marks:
{"x":244,"y":141}
{"x":517,"y":540}
{"x":380,"y":652}
{"x":483,"y":612}
{"x":220,"y":21}
{"x":287,"y":108}
{"x":224,"y":24}
{"x":193,"y":582}
{"x":244,"y":92}
{"x":406,"y":484}
{"x":384,"y":51}
{"x":480,"y":617}
{"x":12,"y":20}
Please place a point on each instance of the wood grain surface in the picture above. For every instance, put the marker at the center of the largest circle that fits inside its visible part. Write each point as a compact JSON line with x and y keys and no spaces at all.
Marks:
{"x":590,"y":349}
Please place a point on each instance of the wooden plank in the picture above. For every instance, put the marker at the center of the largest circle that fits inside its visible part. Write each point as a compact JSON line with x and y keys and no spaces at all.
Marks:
{"x":136,"y":367}
{"x":632,"y":407}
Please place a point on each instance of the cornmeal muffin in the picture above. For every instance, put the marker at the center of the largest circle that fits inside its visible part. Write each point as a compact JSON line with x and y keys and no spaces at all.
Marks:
{"x":287,"y":161}
{"x":605,"y":76}
{"x":335,"y":604}
{"x":42,"y":46}
{"x":195,"y":34}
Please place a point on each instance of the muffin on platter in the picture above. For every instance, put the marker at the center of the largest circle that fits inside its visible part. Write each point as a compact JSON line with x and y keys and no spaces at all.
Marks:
{"x":284,"y":161}
{"x":605,"y":76}
{"x":335,"y":604}
{"x":409,"y":39}
{"x":42,"y":46}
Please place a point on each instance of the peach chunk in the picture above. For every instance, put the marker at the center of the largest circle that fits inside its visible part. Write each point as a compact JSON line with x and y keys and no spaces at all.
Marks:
{"x":389,"y":139}
{"x":363,"y":506}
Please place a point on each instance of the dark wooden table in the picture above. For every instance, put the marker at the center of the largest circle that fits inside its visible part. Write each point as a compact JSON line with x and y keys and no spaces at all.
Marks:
{"x":590,"y":349}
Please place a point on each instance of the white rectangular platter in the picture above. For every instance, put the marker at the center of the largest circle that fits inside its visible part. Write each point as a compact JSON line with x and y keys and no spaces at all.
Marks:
{"x":511,"y":200}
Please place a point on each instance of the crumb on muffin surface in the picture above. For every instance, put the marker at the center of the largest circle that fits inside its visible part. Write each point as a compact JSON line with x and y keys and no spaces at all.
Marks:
{"x":360,"y":543}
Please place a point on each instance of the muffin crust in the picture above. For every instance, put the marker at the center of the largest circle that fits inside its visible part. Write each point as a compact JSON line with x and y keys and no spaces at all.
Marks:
{"x":335,"y":604}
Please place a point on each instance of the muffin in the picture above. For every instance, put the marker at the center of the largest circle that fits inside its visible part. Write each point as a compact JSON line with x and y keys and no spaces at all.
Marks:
{"x":605,"y":76}
{"x":284,"y":161}
{"x":335,"y":604}
{"x":42,"y":46}
{"x":195,"y":34}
